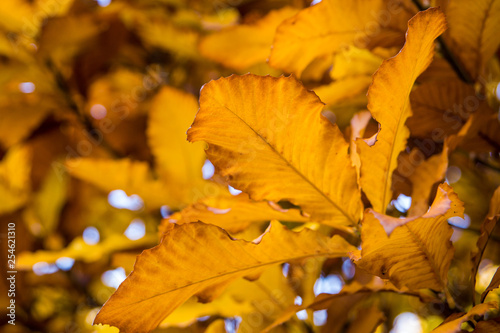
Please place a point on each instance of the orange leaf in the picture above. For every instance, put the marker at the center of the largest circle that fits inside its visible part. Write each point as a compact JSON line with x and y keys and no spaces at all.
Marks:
{"x":388,"y":101}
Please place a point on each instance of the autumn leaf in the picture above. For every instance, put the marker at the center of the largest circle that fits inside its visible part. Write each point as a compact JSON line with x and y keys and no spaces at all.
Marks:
{"x":350,"y":294}
{"x":390,"y":90}
{"x":242,"y":298}
{"x":454,"y":326}
{"x":78,"y":249}
{"x":488,"y":326}
{"x":133,"y":177}
{"x":234,"y":213}
{"x":424,"y":176}
{"x":358,"y":125}
{"x":181,"y":42}
{"x":177,"y":274}
{"x":368,"y":320}
{"x":177,"y":160}
{"x":27,"y":113}
{"x":473,"y":33}
{"x":487,"y":228}
{"x":439,"y":109}
{"x":323,"y":29}
{"x":278,"y":146}
{"x":344,"y":90}
{"x":494,"y":284}
{"x":43,"y":213}
{"x":245,"y":45}
{"x":418,"y":252}
{"x":15,"y":185}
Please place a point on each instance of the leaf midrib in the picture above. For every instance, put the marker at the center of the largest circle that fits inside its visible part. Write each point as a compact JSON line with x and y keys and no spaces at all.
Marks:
{"x":317,"y":254}
{"x":290,"y":165}
{"x":423,"y":248}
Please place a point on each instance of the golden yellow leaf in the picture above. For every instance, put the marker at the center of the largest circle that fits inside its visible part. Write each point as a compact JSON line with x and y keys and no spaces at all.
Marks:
{"x":319,"y":30}
{"x":268,"y":137}
{"x":15,"y":183}
{"x":222,"y":18}
{"x":473,"y":34}
{"x":26,"y":113}
{"x":177,"y":160}
{"x":43,"y":214}
{"x":116,"y":92}
{"x":328,"y":26}
{"x":105,"y":329}
{"x":244,"y":45}
{"x":342,"y":90}
{"x":454,"y":326}
{"x":424,"y":176}
{"x":418,"y":252}
{"x":234,"y":213}
{"x":354,"y":61}
{"x":358,"y":125}
{"x":13,"y":15}
{"x":169,"y":274}
{"x":79,"y":250}
{"x":487,"y":228}
{"x":133,"y":177}
{"x":494,"y":284}
{"x":180,"y":42}
{"x":388,"y":101}
{"x":242,"y":298}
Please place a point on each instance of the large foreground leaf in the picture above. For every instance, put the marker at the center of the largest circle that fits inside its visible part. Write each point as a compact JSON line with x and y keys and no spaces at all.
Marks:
{"x":268,"y":137}
{"x":418,"y":253}
{"x":388,"y":101}
{"x":170,"y":273}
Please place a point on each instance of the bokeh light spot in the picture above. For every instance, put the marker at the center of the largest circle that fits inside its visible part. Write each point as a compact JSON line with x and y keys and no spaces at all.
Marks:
{"x":98,"y":111}
{"x":331,"y":284}
{"x":103,"y":3}
{"x":453,"y":174}
{"x":402,"y":203}
{"x":407,"y":322}
{"x":207,"y":170}
{"x":319,"y":317}
{"x":42,"y":268}
{"x":233,"y":191}
{"x":136,"y":230}
{"x":91,"y":236}
{"x":65,"y":263}
{"x":120,"y":199}
{"x":27,"y":87}
{"x":114,"y":277}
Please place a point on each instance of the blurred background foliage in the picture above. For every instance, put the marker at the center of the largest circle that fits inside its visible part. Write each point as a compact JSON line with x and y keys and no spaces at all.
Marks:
{"x":116,"y":82}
